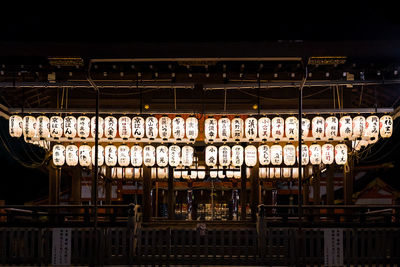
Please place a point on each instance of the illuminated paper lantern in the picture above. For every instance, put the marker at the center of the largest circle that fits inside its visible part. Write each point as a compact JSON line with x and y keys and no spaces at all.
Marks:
{"x":71,"y":155}
{"x":151,"y":127}
{"x":210,"y":129}
{"x":237,"y":155}
{"x":110,"y":155}
{"x":214,"y":172}
{"x":124,"y":157}
{"x":221,"y":174}
{"x":174,"y":155}
{"x":177,"y":174}
{"x":149,"y":155}
{"x":251,"y":128}
{"x":162,"y":156}
{"x":289,"y":155}
{"x":229,"y":174}
{"x":264,"y":128}
{"x":262,"y":173}
{"x":153,"y":173}
{"x":178,"y":128}
{"x":276,"y":155}
{"x":120,"y":172}
{"x":237,"y":174}
{"x":100,"y":131}
{"x":113,"y":173}
{"x":318,"y":129}
{"x":211,"y":155}
{"x":278,"y":128}
{"x":346,"y":127}
{"x":137,"y":127}
{"x":250,"y":156}
{"x":192,"y":128}
{"x":237,"y":128}
{"x":29,"y":127}
{"x":224,"y":153}
{"x":187,"y":156}
{"x":295,"y":173}
{"x":136,"y":156}
{"x":128,"y":173}
{"x":58,"y":155}
{"x":291,"y":127}
{"x":83,"y":125}
{"x":304,"y":154}
{"x":185,"y":174}
{"x":165,"y":127}
{"x":341,"y":154}
{"x":70,"y":127}
{"x":386,"y":126}
{"x":15,"y":126}
{"x":43,"y":127}
{"x":264,"y":155}
{"x":85,"y":155}
{"x":287,"y":172}
{"x":305,"y":127}
{"x":56,"y":127}
{"x":201,"y":174}
{"x":100,"y":155}
{"x":372,"y":127}
{"x":358,"y":127}
{"x":315,"y":154}
{"x":328,"y":154}
{"x":110,"y":127}
{"x":277,"y":173}
{"x":331,"y":127}
{"x":138,"y":172}
{"x":124,"y":127}
{"x":224,"y":128}
{"x":193,"y":174}
{"x":161,"y":173}
{"x":270,"y":173}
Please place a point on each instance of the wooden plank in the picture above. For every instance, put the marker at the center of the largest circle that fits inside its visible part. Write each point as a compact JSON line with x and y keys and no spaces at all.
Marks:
{"x":139,"y":245}
{"x":146,"y":244}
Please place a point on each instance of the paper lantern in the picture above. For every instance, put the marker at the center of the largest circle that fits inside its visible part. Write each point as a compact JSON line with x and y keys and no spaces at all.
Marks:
{"x":224,"y":153}
{"x":178,"y":128}
{"x":341,"y":154}
{"x":278,"y":128}
{"x":372,"y":127}
{"x":192,"y":128}
{"x":124,"y":127}
{"x":331,"y":127}
{"x":187,"y":156}
{"x":264,"y":128}
{"x":210,"y":129}
{"x":289,"y":155}
{"x":165,"y":127}
{"x":201,"y":174}
{"x":277,"y":173}
{"x":358,"y":127}
{"x":29,"y":127}
{"x":318,"y":127}
{"x":276,"y":155}
{"x":174,"y":156}
{"x":124,"y":157}
{"x":70,"y":127}
{"x":58,"y":155}
{"x":250,"y":156}
{"x":295,"y":173}
{"x":153,"y":173}
{"x":237,"y":128}
{"x":237,"y":174}
{"x":328,"y":154}
{"x":110,"y":155}
{"x":128,"y":173}
{"x":71,"y":155}
{"x":185,"y":174}
{"x":287,"y":172}
{"x":15,"y":126}
{"x":193,"y":173}
{"x":137,"y":127}
{"x":100,"y":155}
{"x":360,"y":144}
{"x":305,"y":127}
{"x":237,"y":155}
{"x":162,"y":156}
{"x":224,"y":128}
{"x":120,"y":172}
{"x":229,"y":174}
{"x":56,"y":127}
{"x":138,"y":172}
{"x":211,"y":155}
{"x":315,"y":154}
{"x":221,"y":174}
{"x":262,"y":173}
{"x":214,"y":172}
{"x":304,"y":154}
{"x":83,"y":125}
{"x":151,"y":127}
{"x":85,"y":155}
{"x":136,"y":156}
{"x":114,"y":173}
{"x":251,"y":128}
{"x":100,"y":131}
{"x":291,"y":127}
{"x":161,"y":173}
{"x":110,"y":127}
{"x":270,"y":173}
{"x":149,"y":155}
{"x":43,"y":127}
{"x":346,"y":127}
{"x":264,"y":155}
{"x":386,"y":126}
{"x":177,"y":174}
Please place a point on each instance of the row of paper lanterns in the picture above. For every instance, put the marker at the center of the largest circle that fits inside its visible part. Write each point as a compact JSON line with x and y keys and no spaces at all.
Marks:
{"x":178,"y":128}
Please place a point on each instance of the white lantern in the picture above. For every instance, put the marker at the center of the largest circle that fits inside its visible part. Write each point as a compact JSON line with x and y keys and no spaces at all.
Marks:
{"x":178,"y":128}
{"x":174,"y":156}
{"x":372,"y":127}
{"x":224,"y":128}
{"x":341,"y":154}
{"x":276,"y":155}
{"x":237,"y":128}
{"x":210,"y":129}
{"x":270,"y":173}
{"x":291,"y":127}
{"x":58,"y":155}
{"x":43,"y":127}
{"x":289,"y":155}
{"x":264,"y":128}
{"x":359,"y":144}
{"x":304,"y":154}
{"x":295,"y":173}
{"x":83,"y":127}
{"x":138,"y":172}
{"x":114,"y":173}
{"x":346,"y":127}
{"x":250,"y":156}
{"x":214,"y":172}
{"x":237,"y":174}
{"x":110,"y":155}
{"x":328,"y":154}
{"x":29,"y":127}
{"x":248,"y":172}
{"x":229,"y":174}
{"x":262,"y":173}
{"x":123,"y":156}
{"x":237,"y":155}
{"x":162,"y":156}
{"x":305,"y":127}
{"x":165,"y":128}
{"x":100,"y":155}
{"x":315,"y":154}
{"x":187,"y":156}
{"x":153,"y":173}
{"x":251,"y":128}
{"x":124,"y":127}
{"x":177,"y":174}
{"x":137,"y":127}
{"x":193,"y":174}
{"x":149,"y":155}
{"x":277,"y":172}
{"x":211,"y":155}
{"x":358,"y":127}
{"x":56,"y":127}
{"x":15,"y":126}
{"x":331,"y":127}
{"x":264,"y":155}
{"x":192,"y":128}
{"x":221,"y":174}
{"x":161,"y":173}
{"x":120,"y":172}
{"x":224,"y":156}
{"x":128,"y":173}
{"x":185,"y":174}
{"x":110,"y":127}
{"x":70,"y":127}
{"x":136,"y":156}
{"x":318,"y":129}
{"x":85,"y":157}
{"x":386,"y":126}
{"x":100,"y":131}
{"x":71,"y":155}
{"x":201,"y":174}
{"x":278,"y":128}
{"x":151,"y":127}
{"x":287,"y":172}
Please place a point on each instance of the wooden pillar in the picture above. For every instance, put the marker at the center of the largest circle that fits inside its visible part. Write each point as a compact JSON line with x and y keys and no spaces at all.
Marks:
{"x":146,"y":194}
{"x":254,"y":194}
{"x":108,"y":186}
{"x":243,"y":193}
{"x":330,"y":193}
{"x":76,"y":185}
{"x":54,"y":184}
{"x":171,"y":195}
{"x":316,"y":186}
{"x":348,"y":181}
{"x":306,"y":186}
